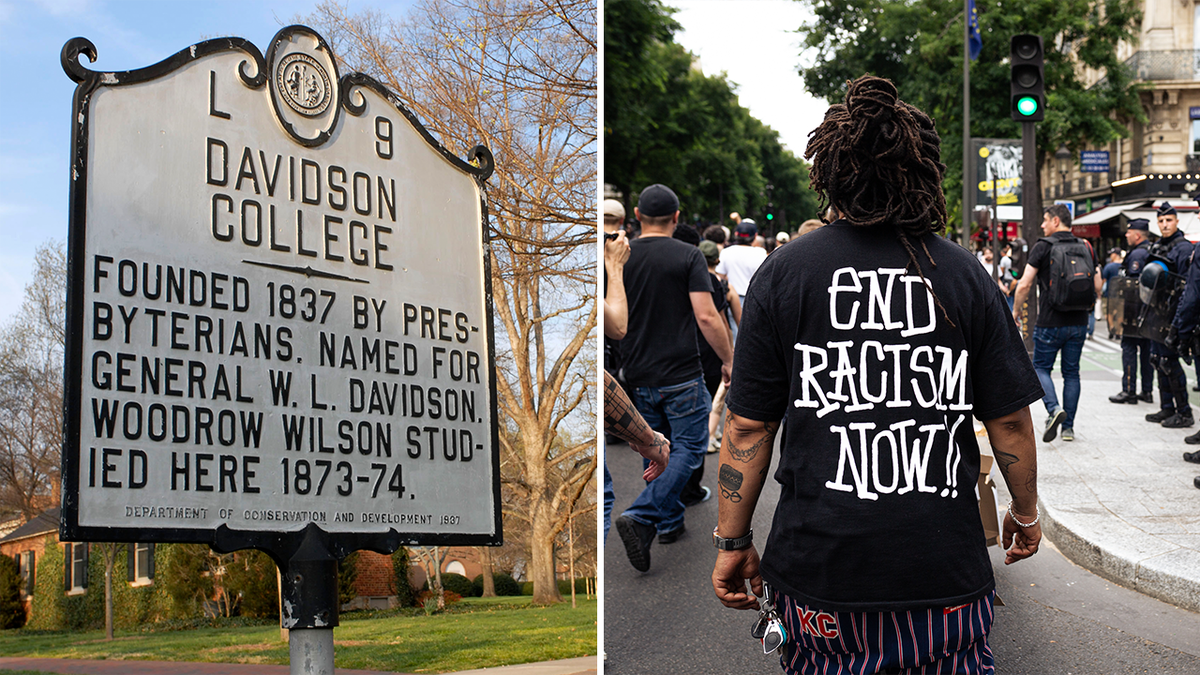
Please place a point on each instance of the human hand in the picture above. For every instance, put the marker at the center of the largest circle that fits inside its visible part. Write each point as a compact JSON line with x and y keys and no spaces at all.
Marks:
{"x":1023,"y":541}
{"x":616,"y":251}
{"x":659,"y":454}
{"x":1017,"y":317}
{"x":726,"y":372}
{"x":730,"y":573}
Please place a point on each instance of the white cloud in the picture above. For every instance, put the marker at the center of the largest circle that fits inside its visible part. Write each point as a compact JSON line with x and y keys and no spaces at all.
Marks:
{"x":757,"y":45}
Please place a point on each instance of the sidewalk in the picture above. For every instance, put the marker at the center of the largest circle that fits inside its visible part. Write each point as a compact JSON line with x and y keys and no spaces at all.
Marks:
{"x":581,"y":666}
{"x":1119,"y":500}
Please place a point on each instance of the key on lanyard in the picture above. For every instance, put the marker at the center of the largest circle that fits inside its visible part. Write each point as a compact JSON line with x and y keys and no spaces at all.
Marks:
{"x":769,"y":628}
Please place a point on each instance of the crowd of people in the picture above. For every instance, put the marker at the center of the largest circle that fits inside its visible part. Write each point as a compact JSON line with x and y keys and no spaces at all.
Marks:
{"x":860,"y":338}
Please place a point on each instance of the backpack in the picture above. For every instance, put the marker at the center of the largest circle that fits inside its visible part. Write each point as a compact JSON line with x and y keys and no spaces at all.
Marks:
{"x":1072,"y":275}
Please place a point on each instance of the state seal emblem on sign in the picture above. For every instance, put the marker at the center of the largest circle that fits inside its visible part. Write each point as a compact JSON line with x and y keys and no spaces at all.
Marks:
{"x":303,"y":84}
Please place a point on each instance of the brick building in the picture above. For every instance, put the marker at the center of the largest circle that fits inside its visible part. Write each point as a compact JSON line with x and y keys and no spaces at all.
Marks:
{"x":26,"y":543}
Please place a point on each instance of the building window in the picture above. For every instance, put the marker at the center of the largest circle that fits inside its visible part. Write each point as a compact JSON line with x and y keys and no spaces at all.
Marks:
{"x":140,"y":564}
{"x":1196,"y":131}
{"x":25,"y":567}
{"x":75,"y":578}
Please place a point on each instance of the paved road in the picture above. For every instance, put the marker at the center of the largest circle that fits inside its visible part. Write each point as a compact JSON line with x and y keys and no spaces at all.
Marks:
{"x":1057,"y":618}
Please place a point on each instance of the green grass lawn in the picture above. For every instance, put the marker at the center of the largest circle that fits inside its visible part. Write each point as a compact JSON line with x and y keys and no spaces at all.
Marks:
{"x":473,"y":633}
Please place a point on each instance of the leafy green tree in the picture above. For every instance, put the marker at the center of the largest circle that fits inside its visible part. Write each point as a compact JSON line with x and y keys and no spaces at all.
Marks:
{"x":918,"y":44}
{"x":250,"y":576}
{"x":12,"y":611}
{"x":666,"y":122}
{"x":347,"y":575}
{"x":185,"y":571}
{"x":401,"y":586}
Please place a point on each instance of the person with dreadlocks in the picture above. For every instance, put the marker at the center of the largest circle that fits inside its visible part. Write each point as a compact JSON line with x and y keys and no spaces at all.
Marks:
{"x":868,"y":345}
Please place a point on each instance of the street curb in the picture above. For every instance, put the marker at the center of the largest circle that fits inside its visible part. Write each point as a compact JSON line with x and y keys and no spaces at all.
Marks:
{"x":1123,"y":554}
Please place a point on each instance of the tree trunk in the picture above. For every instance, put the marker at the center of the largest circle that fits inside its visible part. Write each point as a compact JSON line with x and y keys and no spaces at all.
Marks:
{"x":541,"y":572}
{"x":110,"y":555}
{"x":437,"y":575}
{"x":571,"y":555}
{"x":489,"y":582}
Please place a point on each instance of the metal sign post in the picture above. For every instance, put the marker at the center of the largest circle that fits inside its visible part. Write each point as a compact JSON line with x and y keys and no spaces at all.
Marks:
{"x":1031,"y":218}
{"x":279,"y":319}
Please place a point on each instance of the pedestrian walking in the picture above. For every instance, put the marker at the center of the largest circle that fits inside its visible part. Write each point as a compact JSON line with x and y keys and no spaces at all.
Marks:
{"x":876,"y":560}
{"x":1066,"y":270}
{"x":669,"y":296}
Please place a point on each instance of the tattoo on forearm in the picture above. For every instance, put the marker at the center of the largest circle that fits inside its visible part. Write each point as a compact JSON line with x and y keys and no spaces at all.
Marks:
{"x":1005,"y":459}
{"x":747,"y":454}
{"x":730,"y":481}
{"x":621,"y":419}
{"x":1031,"y":481}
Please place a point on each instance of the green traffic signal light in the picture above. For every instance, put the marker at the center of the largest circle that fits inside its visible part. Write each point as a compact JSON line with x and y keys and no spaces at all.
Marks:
{"x":1027,"y":105}
{"x":770,"y":216}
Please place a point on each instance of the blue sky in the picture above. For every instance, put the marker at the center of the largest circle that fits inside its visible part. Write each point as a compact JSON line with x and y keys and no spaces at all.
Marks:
{"x":35,"y":111}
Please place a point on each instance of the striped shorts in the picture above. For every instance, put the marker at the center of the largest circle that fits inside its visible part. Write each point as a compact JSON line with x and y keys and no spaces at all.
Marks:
{"x":950,"y":640}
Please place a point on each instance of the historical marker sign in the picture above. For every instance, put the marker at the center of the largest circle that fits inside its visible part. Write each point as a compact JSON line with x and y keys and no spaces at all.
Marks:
{"x":279,"y":309}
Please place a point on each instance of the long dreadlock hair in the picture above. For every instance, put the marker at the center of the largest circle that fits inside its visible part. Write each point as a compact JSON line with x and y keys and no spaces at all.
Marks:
{"x":877,"y":160}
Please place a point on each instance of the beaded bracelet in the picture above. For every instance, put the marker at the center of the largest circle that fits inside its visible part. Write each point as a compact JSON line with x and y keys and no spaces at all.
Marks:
{"x":1035,"y":519}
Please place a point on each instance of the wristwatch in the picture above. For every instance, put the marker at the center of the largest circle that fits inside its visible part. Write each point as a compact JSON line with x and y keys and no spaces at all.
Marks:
{"x":734,"y":544}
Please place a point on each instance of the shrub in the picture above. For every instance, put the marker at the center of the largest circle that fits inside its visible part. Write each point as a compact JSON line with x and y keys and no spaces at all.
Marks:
{"x":505,"y":585}
{"x":12,"y":610}
{"x":401,"y":586}
{"x":527,"y":588}
{"x":49,"y":602}
{"x":458,"y":584}
{"x":425,"y":596}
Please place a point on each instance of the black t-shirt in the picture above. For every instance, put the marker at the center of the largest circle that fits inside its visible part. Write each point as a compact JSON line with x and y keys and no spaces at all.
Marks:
{"x":1039,"y":257}
{"x":659,"y":348}
{"x":879,"y":461}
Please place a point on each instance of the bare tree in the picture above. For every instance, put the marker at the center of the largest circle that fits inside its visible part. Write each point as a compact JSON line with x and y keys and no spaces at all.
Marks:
{"x":519,"y":77}
{"x":109,"y":551}
{"x":432,"y":558}
{"x":31,"y":388}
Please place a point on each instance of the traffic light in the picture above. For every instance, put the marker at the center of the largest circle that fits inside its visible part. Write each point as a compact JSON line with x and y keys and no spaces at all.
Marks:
{"x":1028,"y":81}
{"x":770,"y":212}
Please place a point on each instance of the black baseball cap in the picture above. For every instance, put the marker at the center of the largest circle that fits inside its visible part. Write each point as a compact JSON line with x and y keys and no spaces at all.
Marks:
{"x":657,"y":200}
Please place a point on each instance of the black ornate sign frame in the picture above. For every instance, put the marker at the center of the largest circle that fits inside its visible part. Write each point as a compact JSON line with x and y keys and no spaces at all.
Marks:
{"x":312,"y":548}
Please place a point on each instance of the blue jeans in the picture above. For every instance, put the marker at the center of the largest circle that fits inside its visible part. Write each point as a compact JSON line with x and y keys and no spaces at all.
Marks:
{"x":679,"y":412}
{"x":1047,"y":343}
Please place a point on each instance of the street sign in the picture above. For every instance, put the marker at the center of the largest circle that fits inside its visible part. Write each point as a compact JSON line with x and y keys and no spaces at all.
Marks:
{"x":1093,"y":161}
{"x":1069,"y":204}
{"x":998,"y":171}
{"x":279,"y":307}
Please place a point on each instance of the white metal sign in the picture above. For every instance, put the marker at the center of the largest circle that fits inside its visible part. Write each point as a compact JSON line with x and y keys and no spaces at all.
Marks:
{"x":279,"y":307}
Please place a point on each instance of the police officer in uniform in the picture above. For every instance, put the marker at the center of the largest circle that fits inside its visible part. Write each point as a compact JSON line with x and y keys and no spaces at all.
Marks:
{"x":1183,"y":336}
{"x":1176,"y":252}
{"x":1132,"y":346}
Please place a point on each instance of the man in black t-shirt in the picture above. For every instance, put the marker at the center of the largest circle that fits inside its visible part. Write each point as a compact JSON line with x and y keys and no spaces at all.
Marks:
{"x":867,"y":346}
{"x":669,"y":295}
{"x":1056,"y":331}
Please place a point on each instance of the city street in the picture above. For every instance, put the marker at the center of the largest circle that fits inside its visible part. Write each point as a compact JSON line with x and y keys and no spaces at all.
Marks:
{"x":1057,"y":617}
